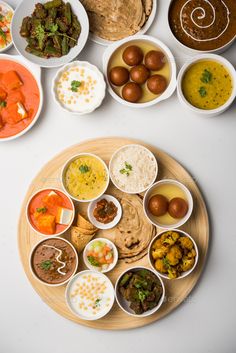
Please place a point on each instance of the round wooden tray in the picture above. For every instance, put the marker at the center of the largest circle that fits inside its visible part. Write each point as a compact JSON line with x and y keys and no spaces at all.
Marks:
{"x":176,"y":290}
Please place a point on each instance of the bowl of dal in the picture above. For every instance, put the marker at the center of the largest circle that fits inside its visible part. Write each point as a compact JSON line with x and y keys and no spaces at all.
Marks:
{"x":85,"y":177}
{"x":206,"y":84}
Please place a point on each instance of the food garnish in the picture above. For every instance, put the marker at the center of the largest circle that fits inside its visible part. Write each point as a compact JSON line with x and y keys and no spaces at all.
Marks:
{"x":127,"y":169}
{"x":84,"y":169}
{"x":41,"y":209}
{"x":46,"y":265}
{"x":3,"y":104}
{"x":75,"y":85}
{"x":105,"y":211}
{"x":206,"y":76}
{"x":142,"y":289}
{"x":52,"y":29}
{"x":202,"y":91}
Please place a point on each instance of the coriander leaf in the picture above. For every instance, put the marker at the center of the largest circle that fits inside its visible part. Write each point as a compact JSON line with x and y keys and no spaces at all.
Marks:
{"x":141,"y":295}
{"x":166,"y":262}
{"x":3,"y":104}
{"x":202,"y":91}
{"x":75,"y":85}
{"x":97,"y":302}
{"x":93,"y":261}
{"x":40,"y":35}
{"x":41,"y":209}
{"x":53,"y":28}
{"x":128,"y":166}
{"x":1,"y":18}
{"x":84,"y":169}
{"x":206,"y":76}
{"x":3,"y":35}
{"x":46,"y":265}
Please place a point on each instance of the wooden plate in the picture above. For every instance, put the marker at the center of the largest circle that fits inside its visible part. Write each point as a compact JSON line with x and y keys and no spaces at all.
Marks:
{"x":176,"y":290}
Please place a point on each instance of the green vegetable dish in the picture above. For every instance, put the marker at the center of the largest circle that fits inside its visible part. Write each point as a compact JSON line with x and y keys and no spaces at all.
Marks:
{"x":52,"y":29}
{"x":142,"y":289}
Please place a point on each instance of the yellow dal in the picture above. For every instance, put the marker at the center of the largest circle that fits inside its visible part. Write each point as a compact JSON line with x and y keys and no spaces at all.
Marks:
{"x":218,"y":90}
{"x":86,"y":185}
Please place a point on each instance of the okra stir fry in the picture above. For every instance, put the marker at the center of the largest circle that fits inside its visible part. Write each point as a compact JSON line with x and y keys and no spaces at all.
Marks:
{"x":52,"y":29}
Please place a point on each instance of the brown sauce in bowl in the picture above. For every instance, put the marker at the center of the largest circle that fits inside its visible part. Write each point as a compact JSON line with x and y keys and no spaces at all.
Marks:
{"x":54,"y":261}
{"x":203,"y":24}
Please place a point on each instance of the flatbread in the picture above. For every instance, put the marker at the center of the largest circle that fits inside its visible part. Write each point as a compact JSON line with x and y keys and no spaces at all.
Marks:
{"x":84,"y":223}
{"x":80,"y":240}
{"x":148,"y":5}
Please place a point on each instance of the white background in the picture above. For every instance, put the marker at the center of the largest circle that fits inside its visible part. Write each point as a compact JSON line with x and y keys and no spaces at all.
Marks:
{"x":206,"y":147}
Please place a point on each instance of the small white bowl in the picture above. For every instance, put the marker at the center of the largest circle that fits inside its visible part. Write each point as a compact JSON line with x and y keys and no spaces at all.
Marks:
{"x":203,"y":112}
{"x":69,"y":162}
{"x":69,"y":300}
{"x":101,"y":90}
{"x":41,"y":281}
{"x":100,"y":225}
{"x":179,"y":222}
{"x":124,"y":304}
{"x":46,"y":236}
{"x":11,"y":43}
{"x":110,"y":169}
{"x":26,"y":8}
{"x":171,"y":60}
{"x":189,"y":50}
{"x":111,"y":245}
{"x":143,"y":30}
{"x":184,"y":274}
{"x":35,"y":71}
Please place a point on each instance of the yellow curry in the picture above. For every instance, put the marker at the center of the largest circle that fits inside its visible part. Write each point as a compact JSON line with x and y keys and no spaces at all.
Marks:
{"x":86,"y":178}
{"x":207,"y":84}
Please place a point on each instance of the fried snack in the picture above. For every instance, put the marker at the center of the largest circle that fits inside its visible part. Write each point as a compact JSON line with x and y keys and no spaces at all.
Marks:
{"x":82,"y":233}
{"x":82,"y":222}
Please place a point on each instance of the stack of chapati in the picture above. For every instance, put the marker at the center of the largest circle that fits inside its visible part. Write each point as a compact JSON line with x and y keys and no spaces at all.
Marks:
{"x":117,"y":19}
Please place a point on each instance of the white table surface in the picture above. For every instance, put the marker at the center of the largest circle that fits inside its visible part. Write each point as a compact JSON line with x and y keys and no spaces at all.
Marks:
{"x":206,"y":147}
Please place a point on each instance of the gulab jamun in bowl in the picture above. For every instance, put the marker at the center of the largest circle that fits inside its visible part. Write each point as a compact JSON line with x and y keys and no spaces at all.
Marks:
{"x":168,"y":204}
{"x":140,"y":71}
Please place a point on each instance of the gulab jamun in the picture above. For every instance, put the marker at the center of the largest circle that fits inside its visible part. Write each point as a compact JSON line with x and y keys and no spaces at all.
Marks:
{"x":158,"y":205}
{"x":133,"y":55}
{"x":157,"y":84}
{"x":178,"y":207}
{"x":132,"y":92}
{"x":119,"y":75}
{"x":139,"y":74}
{"x":154,"y":60}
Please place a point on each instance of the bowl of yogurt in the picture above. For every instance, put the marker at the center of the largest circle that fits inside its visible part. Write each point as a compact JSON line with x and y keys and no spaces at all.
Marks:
{"x":79,"y":88}
{"x":90,"y":295}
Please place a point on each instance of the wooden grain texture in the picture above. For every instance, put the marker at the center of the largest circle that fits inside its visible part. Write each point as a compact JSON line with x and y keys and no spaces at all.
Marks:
{"x":176,"y":290}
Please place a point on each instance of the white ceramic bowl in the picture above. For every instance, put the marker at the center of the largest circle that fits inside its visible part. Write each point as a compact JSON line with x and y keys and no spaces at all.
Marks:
{"x":143,"y":30}
{"x":192,"y":51}
{"x":41,"y":281}
{"x":211,"y":112}
{"x":10,"y":9}
{"x":111,"y":245}
{"x":26,"y":8}
{"x":179,"y":222}
{"x":184,"y":274}
{"x":69,"y":300}
{"x":172,"y":84}
{"x":110,"y":169}
{"x":124,"y":304}
{"x":66,"y":165}
{"x":100,"y":225}
{"x":36,"y":73}
{"x":34,"y":228}
{"x":101,"y":91}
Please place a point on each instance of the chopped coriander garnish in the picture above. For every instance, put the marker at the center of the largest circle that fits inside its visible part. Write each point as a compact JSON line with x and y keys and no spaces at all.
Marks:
{"x":3,"y":35}
{"x":128,"y":168}
{"x":75,"y":85}
{"x":206,"y":76}
{"x":46,"y":265}
{"x":97,"y":302}
{"x":84,"y":169}
{"x":93,"y":261}
{"x":3,"y":104}
{"x":41,"y":209}
{"x":202,"y":91}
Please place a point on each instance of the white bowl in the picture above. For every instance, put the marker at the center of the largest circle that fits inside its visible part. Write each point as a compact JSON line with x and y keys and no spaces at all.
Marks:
{"x":143,"y":30}
{"x":35,"y":229}
{"x":203,"y":112}
{"x":189,"y":50}
{"x":124,"y":304}
{"x":68,"y":300}
{"x":110,"y":168}
{"x":66,"y":166}
{"x":100,"y":225}
{"x":152,"y":218}
{"x":11,"y":43}
{"x":26,"y":8}
{"x":172,"y":84}
{"x":184,"y":274}
{"x":36,"y":73}
{"x":41,"y":281}
{"x":115,"y":252}
{"x":100,"y":78}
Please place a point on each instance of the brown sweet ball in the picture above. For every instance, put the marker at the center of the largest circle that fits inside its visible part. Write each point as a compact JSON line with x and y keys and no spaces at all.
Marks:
{"x":157,"y":84}
{"x":119,"y":75}
{"x":154,"y":60}
{"x":158,"y":205}
{"x":132,"y":92}
{"x":178,"y":207}
{"x":133,"y":55}
{"x":139,"y":74}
